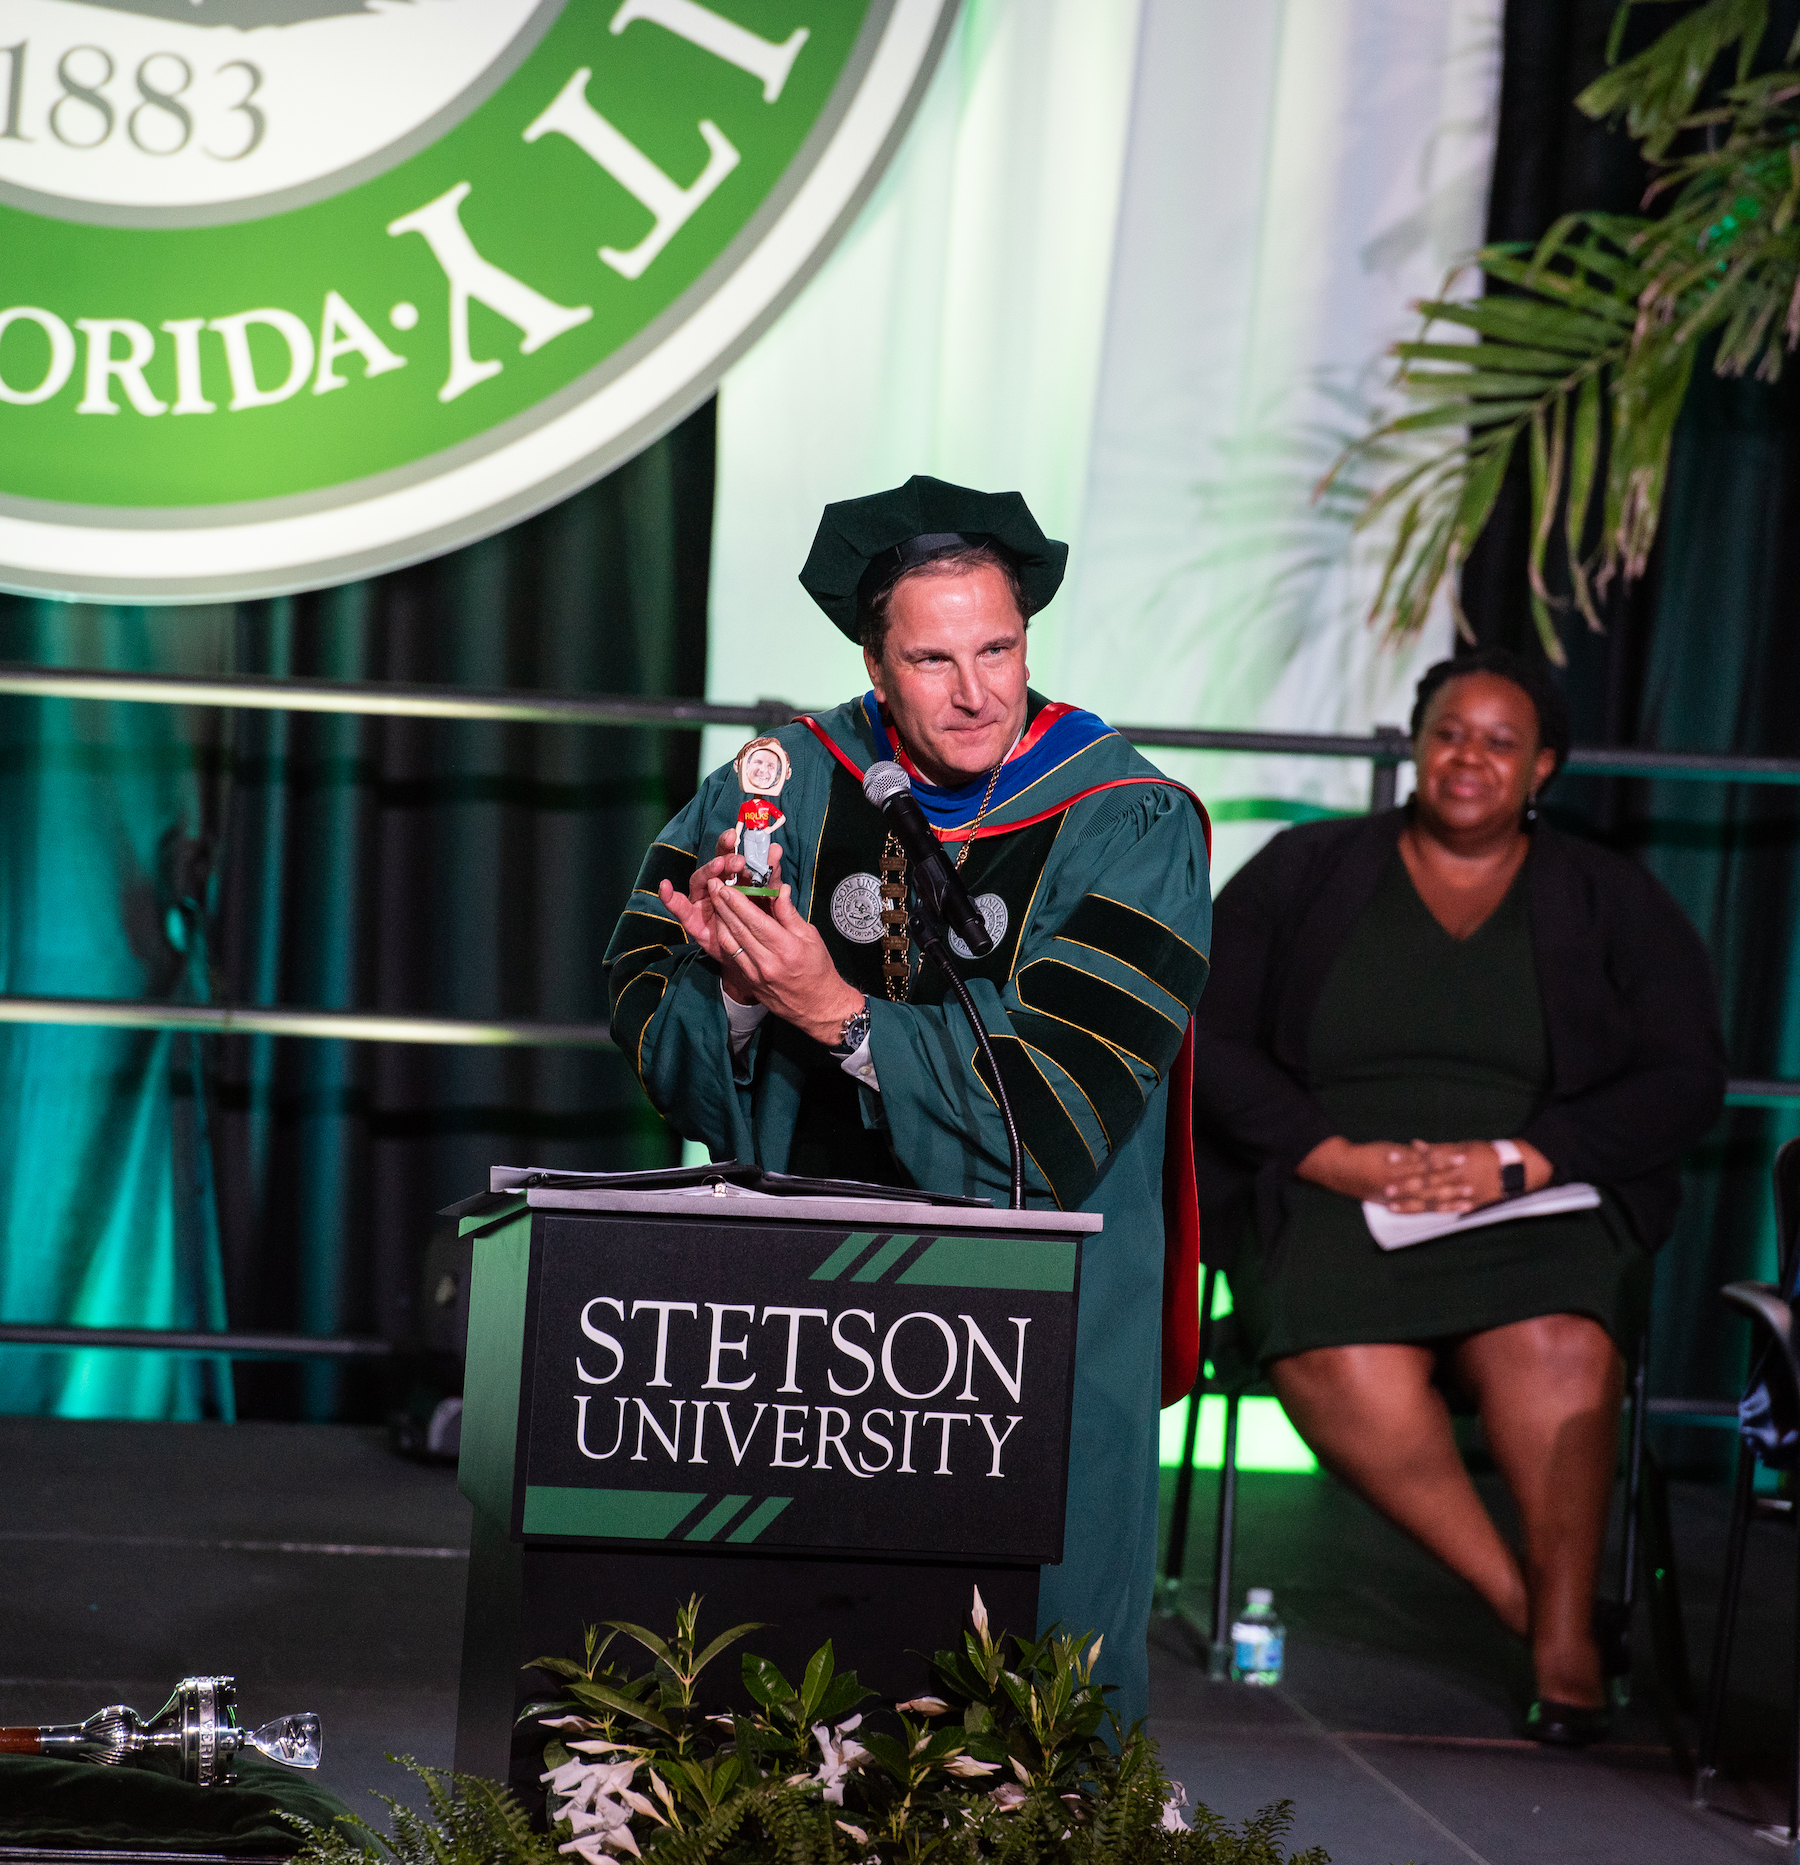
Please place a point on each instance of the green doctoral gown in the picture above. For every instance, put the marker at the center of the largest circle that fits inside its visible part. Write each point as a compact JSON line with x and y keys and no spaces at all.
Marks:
{"x":1099,"y":866}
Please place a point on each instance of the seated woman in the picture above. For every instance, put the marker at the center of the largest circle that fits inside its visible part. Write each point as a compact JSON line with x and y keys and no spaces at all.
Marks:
{"x":1434,"y":1008}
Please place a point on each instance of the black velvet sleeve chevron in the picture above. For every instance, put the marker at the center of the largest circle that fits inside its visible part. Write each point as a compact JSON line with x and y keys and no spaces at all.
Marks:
{"x":1109,"y":1029}
{"x":641,"y":956}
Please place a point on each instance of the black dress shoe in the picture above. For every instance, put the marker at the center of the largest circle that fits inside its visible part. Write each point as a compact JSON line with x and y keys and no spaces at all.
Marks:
{"x":1566,"y":1725}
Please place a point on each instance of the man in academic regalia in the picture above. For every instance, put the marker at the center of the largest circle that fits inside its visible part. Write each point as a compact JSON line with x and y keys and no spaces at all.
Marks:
{"x":810,"y":1038}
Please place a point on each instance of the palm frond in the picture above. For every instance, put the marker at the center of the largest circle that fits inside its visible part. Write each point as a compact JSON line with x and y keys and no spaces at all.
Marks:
{"x":1582,"y":347}
{"x":1656,"y":91}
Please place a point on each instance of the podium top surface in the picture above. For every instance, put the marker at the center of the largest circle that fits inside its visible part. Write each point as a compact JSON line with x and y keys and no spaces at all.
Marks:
{"x":736,"y":1203}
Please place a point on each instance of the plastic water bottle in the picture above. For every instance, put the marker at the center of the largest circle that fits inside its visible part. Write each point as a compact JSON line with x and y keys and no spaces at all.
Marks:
{"x":1258,"y":1640}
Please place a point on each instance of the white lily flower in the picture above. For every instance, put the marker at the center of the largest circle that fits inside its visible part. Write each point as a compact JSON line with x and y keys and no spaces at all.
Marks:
{"x":978,"y":1612}
{"x":1172,"y":1822}
{"x":565,"y":1722}
{"x":839,"y":1758}
{"x":600,"y":1829}
{"x":607,"y":1817}
{"x":967,"y":1768}
{"x":1018,"y":1768}
{"x":855,"y":1832}
{"x":602,"y":1848}
{"x":925,"y":1706}
{"x":1008,"y":1796}
{"x":589,"y":1782}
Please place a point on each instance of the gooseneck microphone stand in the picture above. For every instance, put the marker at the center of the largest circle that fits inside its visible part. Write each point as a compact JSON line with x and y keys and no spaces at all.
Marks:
{"x":926,"y":927}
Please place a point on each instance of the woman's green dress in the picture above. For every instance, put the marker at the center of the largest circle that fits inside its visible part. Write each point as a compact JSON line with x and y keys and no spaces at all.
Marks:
{"x":1418,"y":1035}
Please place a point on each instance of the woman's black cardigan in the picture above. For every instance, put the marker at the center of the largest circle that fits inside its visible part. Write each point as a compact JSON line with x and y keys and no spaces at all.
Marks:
{"x":1637,"y":1062}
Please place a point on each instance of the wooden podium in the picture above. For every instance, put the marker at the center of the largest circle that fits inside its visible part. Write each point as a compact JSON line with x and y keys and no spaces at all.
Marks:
{"x":833,"y":1414}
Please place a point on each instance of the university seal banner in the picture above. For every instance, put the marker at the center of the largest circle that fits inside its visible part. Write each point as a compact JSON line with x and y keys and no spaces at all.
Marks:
{"x":298,"y":290}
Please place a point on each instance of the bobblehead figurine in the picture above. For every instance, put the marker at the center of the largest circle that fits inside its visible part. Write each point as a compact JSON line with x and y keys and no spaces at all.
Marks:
{"x":762,"y":768}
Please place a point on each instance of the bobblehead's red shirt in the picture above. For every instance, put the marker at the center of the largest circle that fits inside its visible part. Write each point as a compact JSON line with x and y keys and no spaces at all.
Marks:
{"x":758,"y":813}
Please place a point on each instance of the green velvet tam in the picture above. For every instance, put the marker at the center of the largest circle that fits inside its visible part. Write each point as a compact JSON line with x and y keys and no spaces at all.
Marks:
{"x":76,"y":1805}
{"x":862,"y":543}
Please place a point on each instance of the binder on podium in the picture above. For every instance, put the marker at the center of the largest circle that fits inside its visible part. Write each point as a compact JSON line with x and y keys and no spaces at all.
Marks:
{"x":831,"y":1408}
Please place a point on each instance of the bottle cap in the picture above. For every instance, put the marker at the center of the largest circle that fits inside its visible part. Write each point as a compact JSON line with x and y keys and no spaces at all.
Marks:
{"x":1260,"y":1596}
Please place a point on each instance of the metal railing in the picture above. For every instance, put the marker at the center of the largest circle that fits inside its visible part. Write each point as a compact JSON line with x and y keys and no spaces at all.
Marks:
{"x":1385,"y":750}
{"x":201,"y":1342}
{"x":337,"y":1025}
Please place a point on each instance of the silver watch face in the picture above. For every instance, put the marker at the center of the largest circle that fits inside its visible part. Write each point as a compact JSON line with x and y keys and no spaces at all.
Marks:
{"x":856,"y":1033}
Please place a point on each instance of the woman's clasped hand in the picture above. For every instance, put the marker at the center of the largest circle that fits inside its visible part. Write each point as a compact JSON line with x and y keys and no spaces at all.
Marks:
{"x":1443,"y":1176}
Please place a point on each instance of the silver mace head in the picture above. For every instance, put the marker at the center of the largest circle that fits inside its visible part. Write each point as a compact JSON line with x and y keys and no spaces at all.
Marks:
{"x":198,"y":1726}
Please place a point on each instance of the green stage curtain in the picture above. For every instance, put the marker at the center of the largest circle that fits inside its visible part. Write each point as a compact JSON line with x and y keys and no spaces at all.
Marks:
{"x":107,"y":1203}
{"x":430,"y":867}
{"x":1702,"y":656}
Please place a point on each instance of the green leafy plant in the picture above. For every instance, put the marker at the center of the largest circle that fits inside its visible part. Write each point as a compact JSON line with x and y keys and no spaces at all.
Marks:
{"x":468,"y":1821}
{"x":1010,"y":1763}
{"x":1585,"y":352}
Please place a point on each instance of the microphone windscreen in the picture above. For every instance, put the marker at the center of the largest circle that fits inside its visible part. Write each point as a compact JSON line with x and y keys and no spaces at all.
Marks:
{"x":884,"y":780}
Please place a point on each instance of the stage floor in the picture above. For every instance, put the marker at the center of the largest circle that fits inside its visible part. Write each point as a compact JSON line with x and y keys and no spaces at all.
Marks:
{"x":328,"y":1574}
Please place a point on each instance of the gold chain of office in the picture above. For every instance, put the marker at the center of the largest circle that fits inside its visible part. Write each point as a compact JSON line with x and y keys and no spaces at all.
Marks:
{"x":896,"y":942}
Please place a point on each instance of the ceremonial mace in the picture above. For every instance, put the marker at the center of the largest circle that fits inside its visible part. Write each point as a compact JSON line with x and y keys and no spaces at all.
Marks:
{"x":198,"y":1726}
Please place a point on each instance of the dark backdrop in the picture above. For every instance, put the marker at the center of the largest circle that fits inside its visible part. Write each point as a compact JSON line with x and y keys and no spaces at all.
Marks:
{"x":1703,"y":655}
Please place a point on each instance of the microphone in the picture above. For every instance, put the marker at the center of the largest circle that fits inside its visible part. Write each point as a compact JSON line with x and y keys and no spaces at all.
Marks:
{"x":889,"y":788}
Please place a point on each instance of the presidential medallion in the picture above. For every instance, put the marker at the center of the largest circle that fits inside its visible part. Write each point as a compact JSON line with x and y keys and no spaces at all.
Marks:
{"x":993,"y":916}
{"x":856,"y":908}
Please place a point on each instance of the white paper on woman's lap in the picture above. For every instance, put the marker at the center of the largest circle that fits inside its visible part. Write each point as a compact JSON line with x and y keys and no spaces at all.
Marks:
{"x":1395,"y":1230}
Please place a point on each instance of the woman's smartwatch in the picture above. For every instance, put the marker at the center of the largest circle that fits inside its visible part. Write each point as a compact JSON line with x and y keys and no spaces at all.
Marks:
{"x":1512,"y":1168}
{"x":854,"y":1034}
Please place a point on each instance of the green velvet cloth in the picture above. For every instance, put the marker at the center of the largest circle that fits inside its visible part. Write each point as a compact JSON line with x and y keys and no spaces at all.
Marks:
{"x":1418,"y":1035}
{"x":76,"y":1805}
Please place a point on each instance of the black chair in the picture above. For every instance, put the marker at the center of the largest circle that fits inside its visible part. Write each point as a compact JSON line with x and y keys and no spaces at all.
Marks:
{"x":1223,"y":1371}
{"x":1646,"y":1541}
{"x":1775,"y":1366}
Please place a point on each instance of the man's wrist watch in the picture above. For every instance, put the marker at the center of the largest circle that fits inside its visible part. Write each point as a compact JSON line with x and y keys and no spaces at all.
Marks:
{"x":854,"y":1033}
{"x":1512,"y":1168}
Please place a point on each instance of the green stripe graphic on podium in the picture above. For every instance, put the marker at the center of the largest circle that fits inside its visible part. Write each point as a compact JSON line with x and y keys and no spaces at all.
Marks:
{"x":641,"y":1514}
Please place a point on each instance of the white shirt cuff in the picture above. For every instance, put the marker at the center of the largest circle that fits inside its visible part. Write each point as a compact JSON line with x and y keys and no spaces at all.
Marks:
{"x":861,"y":1063}
{"x":743,"y":1019}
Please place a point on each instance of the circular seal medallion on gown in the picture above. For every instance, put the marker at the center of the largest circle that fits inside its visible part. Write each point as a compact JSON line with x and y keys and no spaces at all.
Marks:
{"x":993,"y":916}
{"x":856,"y":908}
